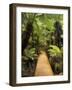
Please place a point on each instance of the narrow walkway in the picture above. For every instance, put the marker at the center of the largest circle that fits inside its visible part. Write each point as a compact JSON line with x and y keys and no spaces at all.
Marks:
{"x":43,"y":67}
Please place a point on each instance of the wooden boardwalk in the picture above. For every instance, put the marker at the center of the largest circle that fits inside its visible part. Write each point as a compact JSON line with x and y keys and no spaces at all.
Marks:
{"x":43,"y":67}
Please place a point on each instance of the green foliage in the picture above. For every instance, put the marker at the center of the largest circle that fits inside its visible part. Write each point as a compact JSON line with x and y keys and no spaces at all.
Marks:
{"x":43,"y":37}
{"x":29,"y":53}
{"x":55,"y":51}
{"x":56,"y":58}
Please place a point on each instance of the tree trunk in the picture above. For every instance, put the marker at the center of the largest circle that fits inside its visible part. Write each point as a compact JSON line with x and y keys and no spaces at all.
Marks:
{"x":26,"y":35}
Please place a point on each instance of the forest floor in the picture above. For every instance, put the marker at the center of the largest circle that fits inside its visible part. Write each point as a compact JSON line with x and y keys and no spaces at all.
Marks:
{"x":43,"y":67}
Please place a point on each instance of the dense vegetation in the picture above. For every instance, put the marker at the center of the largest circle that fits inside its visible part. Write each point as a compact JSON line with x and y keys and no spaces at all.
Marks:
{"x":41,"y":32}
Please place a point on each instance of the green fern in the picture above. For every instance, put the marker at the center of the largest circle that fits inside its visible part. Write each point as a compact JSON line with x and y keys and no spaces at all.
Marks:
{"x":54,"y":51}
